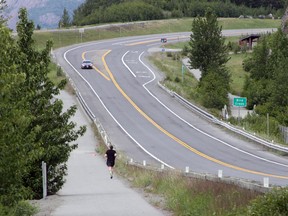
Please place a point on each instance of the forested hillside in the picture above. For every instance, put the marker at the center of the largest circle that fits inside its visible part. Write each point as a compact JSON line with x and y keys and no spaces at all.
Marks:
{"x":276,"y":4}
{"x":104,"y":11}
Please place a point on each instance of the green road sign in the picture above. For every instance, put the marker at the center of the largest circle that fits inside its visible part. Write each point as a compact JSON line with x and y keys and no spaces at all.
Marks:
{"x":240,"y":102}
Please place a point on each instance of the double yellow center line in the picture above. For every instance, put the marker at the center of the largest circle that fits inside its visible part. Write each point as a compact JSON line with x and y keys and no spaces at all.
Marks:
{"x":169,"y":134}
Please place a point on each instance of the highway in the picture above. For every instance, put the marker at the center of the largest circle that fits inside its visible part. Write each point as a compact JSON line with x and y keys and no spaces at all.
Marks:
{"x":145,"y":123}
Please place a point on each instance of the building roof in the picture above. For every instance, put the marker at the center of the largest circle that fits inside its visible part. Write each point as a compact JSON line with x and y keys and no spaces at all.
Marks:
{"x":252,"y":36}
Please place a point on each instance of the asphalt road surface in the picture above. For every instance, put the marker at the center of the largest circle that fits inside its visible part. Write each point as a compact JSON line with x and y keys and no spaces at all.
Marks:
{"x":146,"y":123}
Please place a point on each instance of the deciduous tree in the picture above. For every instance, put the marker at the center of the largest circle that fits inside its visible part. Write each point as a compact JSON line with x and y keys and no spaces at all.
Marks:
{"x":55,"y":131}
{"x":15,"y":119}
{"x":2,"y":7}
{"x":266,"y":86}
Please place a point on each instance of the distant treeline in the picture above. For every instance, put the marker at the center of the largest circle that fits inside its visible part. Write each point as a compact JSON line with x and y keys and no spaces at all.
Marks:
{"x":105,"y":11}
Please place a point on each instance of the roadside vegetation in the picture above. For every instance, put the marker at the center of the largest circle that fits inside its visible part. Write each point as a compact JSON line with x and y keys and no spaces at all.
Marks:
{"x":187,"y":196}
{"x":28,"y":137}
{"x":33,"y":126}
{"x":180,"y":195}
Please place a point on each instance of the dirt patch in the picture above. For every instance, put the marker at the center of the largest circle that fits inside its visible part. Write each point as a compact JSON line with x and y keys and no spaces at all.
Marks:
{"x":46,"y":206}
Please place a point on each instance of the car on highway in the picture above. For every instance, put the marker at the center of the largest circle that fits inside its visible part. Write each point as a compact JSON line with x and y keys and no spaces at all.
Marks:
{"x":86,"y":64}
{"x":163,"y":40}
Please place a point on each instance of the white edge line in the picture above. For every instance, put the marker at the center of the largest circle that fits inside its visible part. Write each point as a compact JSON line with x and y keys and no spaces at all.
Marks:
{"x":109,"y":111}
{"x":126,"y":64}
{"x":200,"y":131}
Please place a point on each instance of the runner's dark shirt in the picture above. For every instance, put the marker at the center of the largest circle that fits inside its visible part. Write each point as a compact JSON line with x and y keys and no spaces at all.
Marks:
{"x":111,"y":155}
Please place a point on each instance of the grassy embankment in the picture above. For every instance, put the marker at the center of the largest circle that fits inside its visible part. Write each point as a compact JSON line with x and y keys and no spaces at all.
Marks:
{"x":183,"y":196}
{"x":65,"y":38}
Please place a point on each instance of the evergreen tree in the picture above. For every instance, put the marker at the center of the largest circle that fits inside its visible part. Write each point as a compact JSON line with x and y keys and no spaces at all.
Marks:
{"x":261,"y":3}
{"x":207,"y":46}
{"x":214,"y":88}
{"x":65,"y":20}
{"x":2,"y":7}
{"x":209,"y":53}
{"x":259,"y":65}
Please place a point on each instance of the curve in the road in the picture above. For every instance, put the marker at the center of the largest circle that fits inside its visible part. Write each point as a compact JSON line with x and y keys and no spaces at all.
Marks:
{"x":182,"y":142}
{"x":110,"y":77}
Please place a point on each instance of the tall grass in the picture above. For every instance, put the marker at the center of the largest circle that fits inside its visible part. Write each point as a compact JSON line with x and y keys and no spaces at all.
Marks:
{"x":189,"y":196}
{"x":238,"y":75}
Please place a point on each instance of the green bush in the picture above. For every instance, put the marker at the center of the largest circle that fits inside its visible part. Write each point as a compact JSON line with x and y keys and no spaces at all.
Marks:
{"x":233,"y":47}
{"x":169,"y":54}
{"x":5,"y":211}
{"x":244,"y":49}
{"x":177,"y":79}
{"x":214,"y":90}
{"x":59,"y":71}
{"x":258,"y":124}
{"x":274,"y":203}
{"x":185,"y":50}
{"x":176,"y":56}
{"x":22,"y":208}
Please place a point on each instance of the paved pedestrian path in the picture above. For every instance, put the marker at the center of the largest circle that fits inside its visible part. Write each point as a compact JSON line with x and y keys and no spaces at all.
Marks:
{"x":89,"y":190}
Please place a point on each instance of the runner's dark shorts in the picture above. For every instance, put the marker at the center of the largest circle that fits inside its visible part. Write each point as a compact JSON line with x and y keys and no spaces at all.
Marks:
{"x":110,"y":163}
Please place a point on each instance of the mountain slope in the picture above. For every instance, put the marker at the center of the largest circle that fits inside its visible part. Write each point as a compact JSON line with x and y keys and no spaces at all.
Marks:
{"x":45,"y":13}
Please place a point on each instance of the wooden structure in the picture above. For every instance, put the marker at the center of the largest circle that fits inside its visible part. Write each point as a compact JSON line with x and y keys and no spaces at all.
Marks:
{"x":248,"y":40}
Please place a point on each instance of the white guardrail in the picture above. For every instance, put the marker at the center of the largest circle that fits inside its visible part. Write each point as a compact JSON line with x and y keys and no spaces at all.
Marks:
{"x":236,"y":181}
{"x":210,"y":117}
{"x":252,"y":185}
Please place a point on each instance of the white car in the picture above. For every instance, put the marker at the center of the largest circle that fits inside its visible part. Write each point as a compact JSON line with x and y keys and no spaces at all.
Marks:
{"x":86,"y":64}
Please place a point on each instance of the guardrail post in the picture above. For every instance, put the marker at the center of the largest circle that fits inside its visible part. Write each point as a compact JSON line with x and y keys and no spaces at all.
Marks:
{"x":220,"y":173}
{"x":162,"y":166}
{"x":266,"y":182}
{"x":144,"y":163}
{"x":186,"y":169}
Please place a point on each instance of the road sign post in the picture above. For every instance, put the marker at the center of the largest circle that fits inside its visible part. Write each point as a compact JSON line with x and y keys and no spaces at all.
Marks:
{"x":44,"y":179}
{"x":81,"y":31}
{"x":183,"y":70}
{"x":239,"y":102}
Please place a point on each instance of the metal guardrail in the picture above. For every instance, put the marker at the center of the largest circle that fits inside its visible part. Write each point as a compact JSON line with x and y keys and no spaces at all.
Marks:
{"x":208,"y":116}
{"x":240,"y":182}
{"x":98,"y":124}
{"x":243,"y":183}
{"x":84,"y":105}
